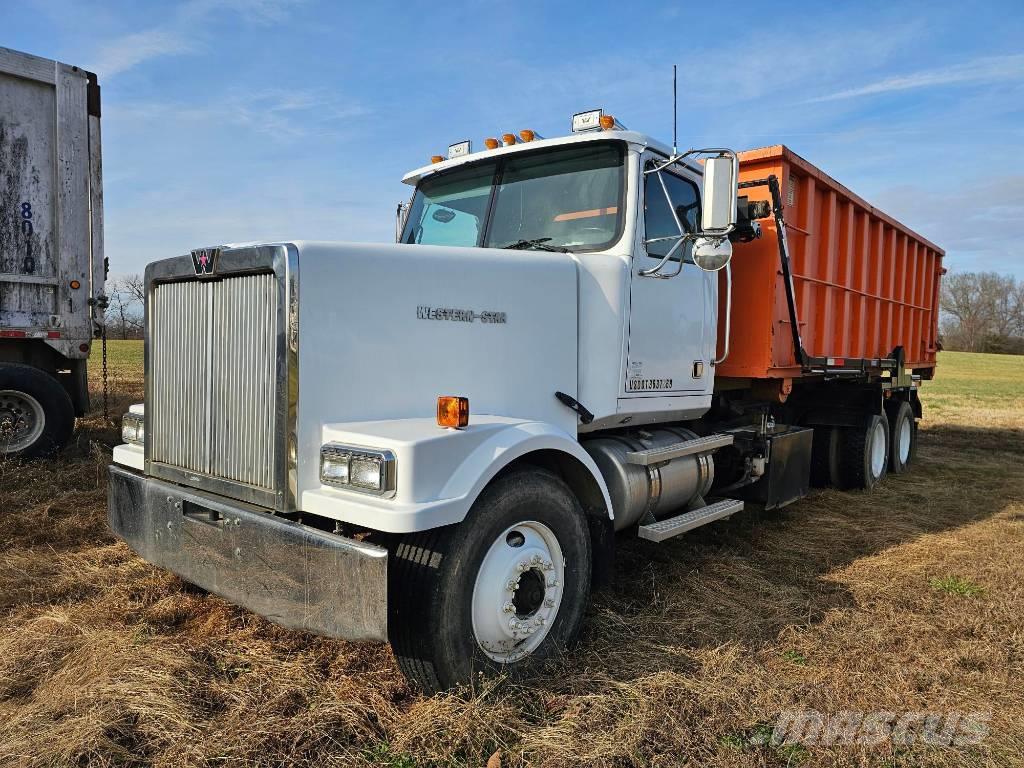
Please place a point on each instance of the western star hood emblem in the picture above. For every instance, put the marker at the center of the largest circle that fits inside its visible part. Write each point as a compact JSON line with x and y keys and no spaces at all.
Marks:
{"x":204,"y":260}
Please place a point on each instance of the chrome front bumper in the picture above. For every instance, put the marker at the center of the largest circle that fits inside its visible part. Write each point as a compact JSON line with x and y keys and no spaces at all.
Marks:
{"x":294,"y":575}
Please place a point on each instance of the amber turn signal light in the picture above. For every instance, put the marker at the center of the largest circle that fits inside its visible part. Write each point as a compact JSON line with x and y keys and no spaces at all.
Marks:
{"x":452,"y":411}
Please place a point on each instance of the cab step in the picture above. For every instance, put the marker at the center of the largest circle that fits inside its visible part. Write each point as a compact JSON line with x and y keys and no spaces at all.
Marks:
{"x":676,"y":450}
{"x":673,"y":526}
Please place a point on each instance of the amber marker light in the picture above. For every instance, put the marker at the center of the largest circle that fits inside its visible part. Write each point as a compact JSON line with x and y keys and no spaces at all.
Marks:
{"x":508,"y":138}
{"x":75,"y":284}
{"x":527,"y":135}
{"x":492,"y":143}
{"x":452,"y":411}
{"x":607,"y":122}
{"x":437,"y":158}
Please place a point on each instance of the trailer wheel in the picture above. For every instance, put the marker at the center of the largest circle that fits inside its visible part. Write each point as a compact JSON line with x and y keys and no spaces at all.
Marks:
{"x":825,"y":459}
{"x":499,"y":593}
{"x":864,"y":453}
{"x":903,"y":438}
{"x":36,"y":414}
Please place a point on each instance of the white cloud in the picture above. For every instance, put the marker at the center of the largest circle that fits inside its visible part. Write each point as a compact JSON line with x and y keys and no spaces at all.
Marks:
{"x":976,"y":222}
{"x":182,"y":32}
{"x":989,"y":69}
{"x":278,"y":113}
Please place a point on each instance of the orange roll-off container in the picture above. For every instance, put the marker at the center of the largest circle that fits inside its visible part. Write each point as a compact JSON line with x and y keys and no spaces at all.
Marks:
{"x":864,"y":283}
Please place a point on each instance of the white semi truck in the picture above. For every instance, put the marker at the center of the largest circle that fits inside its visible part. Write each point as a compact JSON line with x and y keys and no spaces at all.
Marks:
{"x":52,"y":268}
{"x":435,"y":442}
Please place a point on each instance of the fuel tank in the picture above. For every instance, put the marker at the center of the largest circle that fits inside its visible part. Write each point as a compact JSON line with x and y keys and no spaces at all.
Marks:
{"x":662,"y":489}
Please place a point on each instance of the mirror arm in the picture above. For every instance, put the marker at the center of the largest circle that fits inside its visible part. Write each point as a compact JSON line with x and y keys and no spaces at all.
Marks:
{"x":655,"y":271}
{"x":710,"y":151}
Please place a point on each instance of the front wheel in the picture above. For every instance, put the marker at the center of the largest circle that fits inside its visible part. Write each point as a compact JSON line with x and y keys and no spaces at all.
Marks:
{"x":501,"y":592}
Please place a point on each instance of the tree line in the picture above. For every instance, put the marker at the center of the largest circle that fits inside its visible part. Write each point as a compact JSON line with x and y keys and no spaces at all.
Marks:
{"x":982,"y":312}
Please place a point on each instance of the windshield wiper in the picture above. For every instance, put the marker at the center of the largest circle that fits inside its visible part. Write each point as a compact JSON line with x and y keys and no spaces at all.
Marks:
{"x":538,"y":243}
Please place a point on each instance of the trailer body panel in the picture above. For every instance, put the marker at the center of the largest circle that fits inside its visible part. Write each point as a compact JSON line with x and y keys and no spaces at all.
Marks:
{"x":864,"y":283}
{"x":50,"y":203}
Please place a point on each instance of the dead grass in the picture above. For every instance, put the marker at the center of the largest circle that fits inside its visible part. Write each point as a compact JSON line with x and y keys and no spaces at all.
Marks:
{"x":909,"y":598}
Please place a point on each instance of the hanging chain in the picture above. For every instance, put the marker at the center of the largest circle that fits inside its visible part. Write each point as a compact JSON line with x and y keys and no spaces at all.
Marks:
{"x":106,"y":406}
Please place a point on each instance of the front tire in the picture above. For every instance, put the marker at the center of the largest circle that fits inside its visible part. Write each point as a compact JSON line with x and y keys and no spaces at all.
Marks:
{"x":36,"y":414}
{"x":501,"y":592}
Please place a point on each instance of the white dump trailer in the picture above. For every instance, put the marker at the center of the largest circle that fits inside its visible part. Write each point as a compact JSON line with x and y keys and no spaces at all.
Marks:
{"x":51,"y":249}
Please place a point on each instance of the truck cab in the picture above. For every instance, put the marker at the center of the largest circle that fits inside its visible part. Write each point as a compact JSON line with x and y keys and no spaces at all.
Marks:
{"x":646,"y":343}
{"x":435,"y":442}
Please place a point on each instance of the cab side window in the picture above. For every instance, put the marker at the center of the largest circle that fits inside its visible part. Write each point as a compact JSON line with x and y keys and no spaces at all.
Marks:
{"x":658,"y":220}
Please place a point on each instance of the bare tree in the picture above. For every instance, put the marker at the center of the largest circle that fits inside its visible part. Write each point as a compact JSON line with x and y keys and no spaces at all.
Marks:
{"x":984,"y":311}
{"x":125,"y":311}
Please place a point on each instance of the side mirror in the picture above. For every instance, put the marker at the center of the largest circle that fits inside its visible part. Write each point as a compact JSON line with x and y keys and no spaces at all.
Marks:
{"x":712,"y":253}
{"x":718,"y":213}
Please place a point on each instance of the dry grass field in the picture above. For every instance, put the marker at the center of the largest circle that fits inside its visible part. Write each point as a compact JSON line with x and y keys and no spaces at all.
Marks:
{"x":907,"y":599}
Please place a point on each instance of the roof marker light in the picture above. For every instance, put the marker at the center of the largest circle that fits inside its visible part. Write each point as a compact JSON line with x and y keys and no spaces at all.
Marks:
{"x":461,"y":149}
{"x":607,"y":122}
{"x":509,"y":139}
{"x":492,"y":143}
{"x":437,"y":158}
{"x":587,"y":121}
{"x":527,"y":135}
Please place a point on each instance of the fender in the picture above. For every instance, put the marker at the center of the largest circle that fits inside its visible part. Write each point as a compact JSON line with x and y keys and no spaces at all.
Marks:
{"x":440,"y":472}
{"x":508,"y":445}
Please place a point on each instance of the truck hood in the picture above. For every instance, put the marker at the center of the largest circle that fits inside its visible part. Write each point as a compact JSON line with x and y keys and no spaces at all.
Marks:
{"x":385,"y":329}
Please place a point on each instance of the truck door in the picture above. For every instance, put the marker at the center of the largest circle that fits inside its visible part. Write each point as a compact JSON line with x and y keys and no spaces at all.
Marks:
{"x":671,"y":321}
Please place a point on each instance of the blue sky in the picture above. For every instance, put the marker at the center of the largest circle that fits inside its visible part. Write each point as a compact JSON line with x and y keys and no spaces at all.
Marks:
{"x":230,"y":120}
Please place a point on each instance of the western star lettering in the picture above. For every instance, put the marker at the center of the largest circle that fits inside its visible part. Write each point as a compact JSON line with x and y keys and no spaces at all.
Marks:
{"x":459,"y":315}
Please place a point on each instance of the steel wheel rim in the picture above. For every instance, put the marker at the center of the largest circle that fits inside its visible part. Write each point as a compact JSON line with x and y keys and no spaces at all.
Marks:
{"x":903,"y":438}
{"x":518,"y":591}
{"x":22,"y":420}
{"x":877,"y":450}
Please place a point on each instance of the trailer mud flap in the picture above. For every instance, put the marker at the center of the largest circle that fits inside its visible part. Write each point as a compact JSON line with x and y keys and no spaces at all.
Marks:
{"x":294,"y":575}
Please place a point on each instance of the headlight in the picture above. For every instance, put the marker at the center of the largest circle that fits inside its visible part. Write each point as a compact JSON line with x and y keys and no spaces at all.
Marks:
{"x":133,"y":428}
{"x":358,"y":469}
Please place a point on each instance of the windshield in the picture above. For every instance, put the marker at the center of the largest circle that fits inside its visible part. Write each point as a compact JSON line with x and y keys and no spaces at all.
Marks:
{"x":567,"y":198}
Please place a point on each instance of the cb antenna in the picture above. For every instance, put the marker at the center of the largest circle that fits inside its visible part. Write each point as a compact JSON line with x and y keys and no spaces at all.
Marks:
{"x":675,"y":111}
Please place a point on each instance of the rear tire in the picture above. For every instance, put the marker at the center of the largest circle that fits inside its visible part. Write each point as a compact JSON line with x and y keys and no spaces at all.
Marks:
{"x":903,"y":438}
{"x":521,"y":558}
{"x":864,"y":453}
{"x":36,"y":414}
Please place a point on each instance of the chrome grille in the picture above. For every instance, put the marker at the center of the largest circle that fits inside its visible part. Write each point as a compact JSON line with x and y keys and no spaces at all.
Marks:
{"x":213,"y":375}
